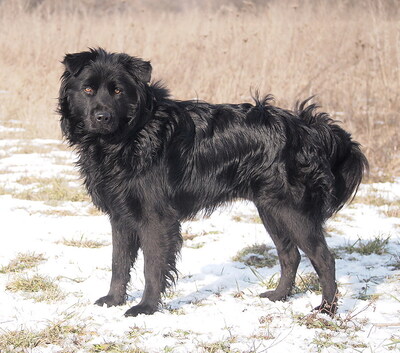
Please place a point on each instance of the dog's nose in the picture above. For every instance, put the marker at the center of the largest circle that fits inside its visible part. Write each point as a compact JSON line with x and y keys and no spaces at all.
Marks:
{"x":102,"y":117}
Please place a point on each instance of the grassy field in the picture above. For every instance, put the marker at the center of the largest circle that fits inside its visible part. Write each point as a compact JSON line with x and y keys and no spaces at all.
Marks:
{"x":347,"y":53}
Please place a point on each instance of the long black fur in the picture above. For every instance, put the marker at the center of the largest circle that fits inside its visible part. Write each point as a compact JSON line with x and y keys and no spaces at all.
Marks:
{"x":149,"y":162}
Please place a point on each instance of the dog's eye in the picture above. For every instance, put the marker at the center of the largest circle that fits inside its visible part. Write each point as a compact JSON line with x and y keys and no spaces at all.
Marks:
{"x":117,"y":90}
{"x":88,"y":90}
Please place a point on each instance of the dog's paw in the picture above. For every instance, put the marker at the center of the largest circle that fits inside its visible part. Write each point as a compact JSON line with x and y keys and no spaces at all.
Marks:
{"x":110,"y":300}
{"x":274,"y":296}
{"x":141,"y":309}
{"x":327,"y":308}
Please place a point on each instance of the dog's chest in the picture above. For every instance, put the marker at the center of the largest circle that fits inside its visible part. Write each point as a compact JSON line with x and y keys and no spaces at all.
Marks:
{"x":105,"y":179}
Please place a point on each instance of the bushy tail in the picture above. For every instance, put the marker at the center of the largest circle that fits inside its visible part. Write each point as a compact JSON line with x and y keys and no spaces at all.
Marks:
{"x":348,"y":163}
{"x":348,"y":170}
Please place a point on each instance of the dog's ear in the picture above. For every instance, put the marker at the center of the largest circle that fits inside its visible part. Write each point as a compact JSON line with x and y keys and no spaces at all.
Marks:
{"x":74,"y":63}
{"x":136,"y":67}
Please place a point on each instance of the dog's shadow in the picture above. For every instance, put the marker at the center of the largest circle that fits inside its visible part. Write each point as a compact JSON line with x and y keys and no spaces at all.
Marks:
{"x":237,"y":279}
{"x":233,"y":278}
{"x":213,"y":280}
{"x":216,"y":280}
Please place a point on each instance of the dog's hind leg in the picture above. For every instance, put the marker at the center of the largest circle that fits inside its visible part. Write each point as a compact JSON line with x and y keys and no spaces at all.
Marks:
{"x":306,"y":232}
{"x":289,"y":257}
{"x":309,"y":237}
{"x":125,"y":247}
{"x":161,"y":242}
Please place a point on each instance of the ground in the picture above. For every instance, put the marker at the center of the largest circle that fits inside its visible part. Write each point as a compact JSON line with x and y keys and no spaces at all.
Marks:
{"x":55,"y":262}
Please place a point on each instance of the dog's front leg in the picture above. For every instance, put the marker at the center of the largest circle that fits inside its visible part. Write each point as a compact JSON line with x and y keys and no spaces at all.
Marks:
{"x":124,"y":251}
{"x":160,"y":241}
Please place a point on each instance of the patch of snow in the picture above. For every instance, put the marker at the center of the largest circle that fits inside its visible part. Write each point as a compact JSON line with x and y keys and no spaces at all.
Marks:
{"x":216,"y":299}
{"x":10,"y":129}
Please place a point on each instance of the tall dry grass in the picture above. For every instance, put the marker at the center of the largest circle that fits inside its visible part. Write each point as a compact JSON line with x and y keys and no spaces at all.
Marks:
{"x":347,"y":53}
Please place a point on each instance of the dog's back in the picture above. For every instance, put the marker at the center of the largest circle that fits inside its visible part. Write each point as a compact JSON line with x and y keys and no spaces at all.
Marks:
{"x":235,"y":151}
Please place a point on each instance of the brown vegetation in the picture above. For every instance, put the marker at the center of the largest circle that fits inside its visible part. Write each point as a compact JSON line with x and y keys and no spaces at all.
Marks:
{"x":347,"y":53}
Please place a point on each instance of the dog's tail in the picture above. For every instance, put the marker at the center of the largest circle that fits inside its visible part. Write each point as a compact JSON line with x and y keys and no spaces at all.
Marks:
{"x":348,"y":163}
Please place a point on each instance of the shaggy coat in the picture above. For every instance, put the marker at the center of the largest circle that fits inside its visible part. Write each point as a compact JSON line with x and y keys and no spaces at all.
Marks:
{"x":149,"y":162}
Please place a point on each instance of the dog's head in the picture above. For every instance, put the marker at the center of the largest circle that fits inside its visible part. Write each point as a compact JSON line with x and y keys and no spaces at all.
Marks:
{"x":100,"y":92}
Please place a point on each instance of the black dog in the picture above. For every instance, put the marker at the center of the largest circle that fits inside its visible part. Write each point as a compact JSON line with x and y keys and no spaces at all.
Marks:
{"x":149,"y":161}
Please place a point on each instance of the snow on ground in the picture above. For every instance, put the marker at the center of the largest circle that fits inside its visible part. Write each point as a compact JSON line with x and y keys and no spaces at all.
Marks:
{"x":215,"y":305}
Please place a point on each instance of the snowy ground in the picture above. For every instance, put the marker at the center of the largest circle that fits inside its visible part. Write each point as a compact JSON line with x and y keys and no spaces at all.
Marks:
{"x":215,"y":305}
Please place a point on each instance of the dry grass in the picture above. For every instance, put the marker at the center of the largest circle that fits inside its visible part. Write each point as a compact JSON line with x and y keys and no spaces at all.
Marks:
{"x":60,"y":333}
{"x":377,"y":246}
{"x":84,"y":243}
{"x":345,"y":52}
{"x":22,"y":262}
{"x":50,"y":190}
{"x":257,"y":255}
{"x":37,"y":287}
{"x":307,"y":282}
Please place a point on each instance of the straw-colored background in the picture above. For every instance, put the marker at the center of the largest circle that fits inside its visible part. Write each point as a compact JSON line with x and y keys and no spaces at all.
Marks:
{"x":346,"y":52}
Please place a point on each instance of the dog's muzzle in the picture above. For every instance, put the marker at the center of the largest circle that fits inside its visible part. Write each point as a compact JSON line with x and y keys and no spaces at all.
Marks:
{"x":103,"y":122}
